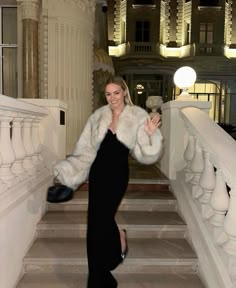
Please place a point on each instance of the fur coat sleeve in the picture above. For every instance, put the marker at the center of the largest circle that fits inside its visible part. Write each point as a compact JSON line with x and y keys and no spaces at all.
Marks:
{"x":146,"y":149}
{"x":74,"y":170}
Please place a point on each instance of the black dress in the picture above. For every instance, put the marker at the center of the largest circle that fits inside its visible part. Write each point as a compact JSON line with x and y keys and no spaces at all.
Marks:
{"x":108,"y":180}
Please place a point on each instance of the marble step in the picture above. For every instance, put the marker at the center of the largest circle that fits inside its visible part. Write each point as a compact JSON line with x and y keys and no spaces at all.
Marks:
{"x":139,"y":224}
{"x":158,"y":255}
{"x":134,"y":200}
{"x":140,"y":184}
{"x":74,"y":280}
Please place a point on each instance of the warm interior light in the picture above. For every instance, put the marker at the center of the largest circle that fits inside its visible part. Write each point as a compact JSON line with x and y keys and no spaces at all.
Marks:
{"x":185,"y":78}
{"x":139,"y":88}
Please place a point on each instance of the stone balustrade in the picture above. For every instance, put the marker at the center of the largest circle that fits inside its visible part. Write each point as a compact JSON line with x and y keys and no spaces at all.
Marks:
{"x":20,"y":146}
{"x":204,"y":159}
{"x":32,"y":139}
{"x":210,"y":175}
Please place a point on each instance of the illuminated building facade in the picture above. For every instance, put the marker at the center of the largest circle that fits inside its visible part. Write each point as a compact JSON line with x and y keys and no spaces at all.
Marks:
{"x":149,"y":40}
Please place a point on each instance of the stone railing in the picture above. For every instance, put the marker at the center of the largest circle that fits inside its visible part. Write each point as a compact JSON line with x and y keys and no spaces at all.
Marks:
{"x":142,"y":48}
{"x":20,"y":146}
{"x":208,"y":181}
{"x":200,"y":160}
{"x":24,"y":178}
{"x":211,"y":169}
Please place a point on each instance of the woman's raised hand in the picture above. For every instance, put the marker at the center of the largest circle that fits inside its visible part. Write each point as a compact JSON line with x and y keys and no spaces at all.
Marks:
{"x":151,"y":125}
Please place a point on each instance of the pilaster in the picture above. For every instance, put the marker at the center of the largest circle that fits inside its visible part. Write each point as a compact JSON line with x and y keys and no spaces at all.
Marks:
{"x":66,"y":59}
{"x":173,"y":23}
{"x":29,"y":12}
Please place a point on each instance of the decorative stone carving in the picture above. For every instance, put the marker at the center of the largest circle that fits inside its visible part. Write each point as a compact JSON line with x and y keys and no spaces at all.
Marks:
{"x":29,"y":9}
{"x":154,"y":103}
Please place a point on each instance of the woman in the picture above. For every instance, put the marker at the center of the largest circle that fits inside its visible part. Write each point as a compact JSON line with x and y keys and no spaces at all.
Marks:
{"x":101,"y":155}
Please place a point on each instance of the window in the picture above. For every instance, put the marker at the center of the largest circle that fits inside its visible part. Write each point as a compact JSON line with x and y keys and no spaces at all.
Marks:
{"x":123,"y":31}
{"x":206,"y":33}
{"x":188,"y":33}
{"x":206,"y":37}
{"x":8,"y":51}
{"x":142,"y":31}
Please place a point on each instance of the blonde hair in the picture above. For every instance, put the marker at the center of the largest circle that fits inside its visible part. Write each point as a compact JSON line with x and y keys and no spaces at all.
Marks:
{"x":121,"y":82}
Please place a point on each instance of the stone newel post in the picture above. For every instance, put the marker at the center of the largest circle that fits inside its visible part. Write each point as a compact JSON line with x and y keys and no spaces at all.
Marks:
{"x":174,"y":133}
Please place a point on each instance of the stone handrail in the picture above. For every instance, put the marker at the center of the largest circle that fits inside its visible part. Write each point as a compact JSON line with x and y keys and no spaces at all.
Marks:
{"x":210,"y":174}
{"x":20,"y":145}
{"x":32,"y":139}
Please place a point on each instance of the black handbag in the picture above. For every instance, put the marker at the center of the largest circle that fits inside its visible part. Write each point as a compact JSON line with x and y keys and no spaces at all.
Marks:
{"x":58,"y":193}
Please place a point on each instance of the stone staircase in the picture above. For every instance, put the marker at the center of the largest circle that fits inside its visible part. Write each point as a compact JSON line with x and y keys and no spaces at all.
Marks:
{"x":159,"y":254}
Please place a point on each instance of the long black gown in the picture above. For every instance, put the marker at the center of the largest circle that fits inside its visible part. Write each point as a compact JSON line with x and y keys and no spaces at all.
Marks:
{"x":108,"y":180}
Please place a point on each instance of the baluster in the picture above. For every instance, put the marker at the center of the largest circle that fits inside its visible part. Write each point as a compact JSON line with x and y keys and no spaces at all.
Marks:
{"x":219,"y":200}
{"x":7,"y":152}
{"x":29,"y":149}
{"x":37,"y":159}
{"x":207,"y":184}
{"x":230,"y":224}
{"x":188,"y":156}
{"x":3,"y":186}
{"x":18,"y":148}
{"x":197,"y":166}
{"x":207,"y":179}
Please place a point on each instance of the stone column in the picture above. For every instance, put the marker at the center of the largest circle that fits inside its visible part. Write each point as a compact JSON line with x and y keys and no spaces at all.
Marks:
{"x":29,"y":9}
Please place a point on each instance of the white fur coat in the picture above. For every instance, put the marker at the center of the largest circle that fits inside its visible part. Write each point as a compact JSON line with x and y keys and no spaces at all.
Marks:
{"x":74,"y":170}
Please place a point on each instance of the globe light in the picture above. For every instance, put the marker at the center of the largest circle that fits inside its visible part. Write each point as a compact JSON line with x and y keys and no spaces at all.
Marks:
{"x":184,"y":78}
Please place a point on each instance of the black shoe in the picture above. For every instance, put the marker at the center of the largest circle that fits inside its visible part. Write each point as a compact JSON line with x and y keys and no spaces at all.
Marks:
{"x":125,"y":252}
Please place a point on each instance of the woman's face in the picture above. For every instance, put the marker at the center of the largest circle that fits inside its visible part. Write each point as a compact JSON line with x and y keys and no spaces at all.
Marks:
{"x":115,"y":96}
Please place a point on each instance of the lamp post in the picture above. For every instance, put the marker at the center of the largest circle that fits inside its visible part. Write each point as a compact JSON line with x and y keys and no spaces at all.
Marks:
{"x":184,"y":78}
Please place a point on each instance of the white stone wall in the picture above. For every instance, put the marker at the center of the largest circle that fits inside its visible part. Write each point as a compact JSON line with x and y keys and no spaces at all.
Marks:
{"x":67,"y":31}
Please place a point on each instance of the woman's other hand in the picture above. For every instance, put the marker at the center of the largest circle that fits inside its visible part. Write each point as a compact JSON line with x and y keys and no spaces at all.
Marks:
{"x":151,"y":125}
